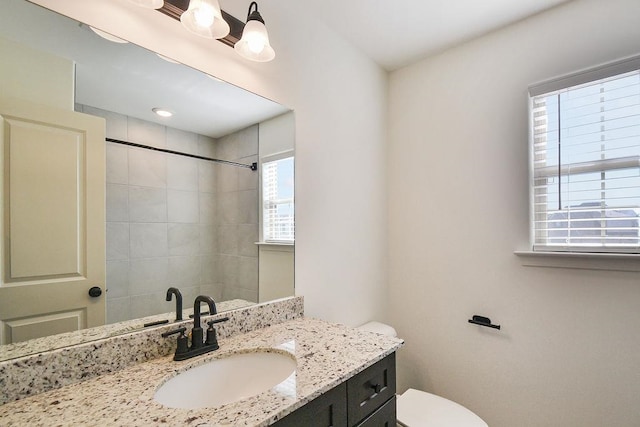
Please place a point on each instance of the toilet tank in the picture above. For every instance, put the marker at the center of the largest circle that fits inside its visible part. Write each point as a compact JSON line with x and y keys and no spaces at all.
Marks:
{"x":379,"y":328}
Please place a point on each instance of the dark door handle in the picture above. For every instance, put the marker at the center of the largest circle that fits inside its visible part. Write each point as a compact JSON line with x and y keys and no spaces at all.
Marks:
{"x":95,"y":292}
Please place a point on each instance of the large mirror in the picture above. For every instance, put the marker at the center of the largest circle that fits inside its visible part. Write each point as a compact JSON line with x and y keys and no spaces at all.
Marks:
{"x":174,"y":217}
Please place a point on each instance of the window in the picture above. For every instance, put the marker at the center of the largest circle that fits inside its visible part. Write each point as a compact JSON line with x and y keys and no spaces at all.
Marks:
{"x":277,"y":201}
{"x":585,"y":151}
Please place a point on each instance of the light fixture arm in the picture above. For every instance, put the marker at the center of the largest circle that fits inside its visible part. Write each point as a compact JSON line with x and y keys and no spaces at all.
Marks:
{"x":255,"y":15}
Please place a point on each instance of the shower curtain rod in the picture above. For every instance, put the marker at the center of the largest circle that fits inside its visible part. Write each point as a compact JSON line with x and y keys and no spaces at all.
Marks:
{"x":253,"y":166}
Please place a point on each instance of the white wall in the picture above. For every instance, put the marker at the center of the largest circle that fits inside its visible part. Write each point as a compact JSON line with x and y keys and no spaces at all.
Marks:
{"x":339,"y":98}
{"x":568,"y":353}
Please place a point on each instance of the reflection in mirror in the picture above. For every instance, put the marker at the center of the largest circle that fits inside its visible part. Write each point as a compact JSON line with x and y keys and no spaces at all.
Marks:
{"x":171,"y":220}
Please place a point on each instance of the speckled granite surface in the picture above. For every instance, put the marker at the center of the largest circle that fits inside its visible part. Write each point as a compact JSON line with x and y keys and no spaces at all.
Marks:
{"x":326,"y":355}
{"x":21,"y":349}
{"x":49,"y":370}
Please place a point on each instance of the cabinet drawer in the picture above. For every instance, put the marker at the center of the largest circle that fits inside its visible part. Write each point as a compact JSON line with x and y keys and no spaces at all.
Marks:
{"x":326,"y":410}
{"x":371,"y":388}
{"x":383,"y":417}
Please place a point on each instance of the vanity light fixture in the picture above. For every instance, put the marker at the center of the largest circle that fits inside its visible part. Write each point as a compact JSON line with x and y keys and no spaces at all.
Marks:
{"x":107,"y":36}
{"x":162,"y":112}
{"x":149,"y":4}
{"x":204,"y":18}
{"x":254,"y":44}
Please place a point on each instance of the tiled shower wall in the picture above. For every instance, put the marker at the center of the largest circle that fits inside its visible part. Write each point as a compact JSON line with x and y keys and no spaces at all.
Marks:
{"x":177,"y":221}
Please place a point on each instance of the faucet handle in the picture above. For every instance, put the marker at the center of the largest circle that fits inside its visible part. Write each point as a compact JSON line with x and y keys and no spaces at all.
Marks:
{"x":183,"y":341}
{"x":212,"y":338}
{"x":181,"y":331}
{"x":213,"y":322}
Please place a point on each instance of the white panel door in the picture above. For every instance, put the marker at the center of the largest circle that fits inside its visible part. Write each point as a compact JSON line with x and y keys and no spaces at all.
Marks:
{"x":53,"y":220}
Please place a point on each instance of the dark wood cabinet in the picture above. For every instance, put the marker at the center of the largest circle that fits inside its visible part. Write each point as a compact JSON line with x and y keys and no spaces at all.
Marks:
{"x":365,"y":400}
{"x":329,"y":409}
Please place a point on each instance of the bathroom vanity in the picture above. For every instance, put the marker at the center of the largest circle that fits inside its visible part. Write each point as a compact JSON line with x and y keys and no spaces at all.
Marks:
{"x":342,"y":374}
{"x":365,"y":400}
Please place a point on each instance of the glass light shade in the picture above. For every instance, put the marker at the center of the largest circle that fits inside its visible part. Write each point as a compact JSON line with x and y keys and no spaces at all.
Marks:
{"x":204,"y":18}
{"x":149,"y":4}
{"x":254,"y":44}
{"x":107,"y":36}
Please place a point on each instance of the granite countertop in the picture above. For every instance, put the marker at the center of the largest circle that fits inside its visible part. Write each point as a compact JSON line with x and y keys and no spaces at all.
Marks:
{"x":326,"y":355}
{"x":21,"y":349}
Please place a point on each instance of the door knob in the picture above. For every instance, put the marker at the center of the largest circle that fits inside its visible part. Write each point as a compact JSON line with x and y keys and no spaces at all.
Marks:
{"x":95,"y":292}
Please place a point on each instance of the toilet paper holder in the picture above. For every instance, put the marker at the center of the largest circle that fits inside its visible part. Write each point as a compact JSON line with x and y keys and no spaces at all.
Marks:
{"x":483,"y":321}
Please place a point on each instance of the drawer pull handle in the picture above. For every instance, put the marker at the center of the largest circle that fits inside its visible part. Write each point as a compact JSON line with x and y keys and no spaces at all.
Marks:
{"x":376,"y":388}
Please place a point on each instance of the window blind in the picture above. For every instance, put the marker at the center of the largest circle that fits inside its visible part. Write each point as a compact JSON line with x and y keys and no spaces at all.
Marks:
{"x":278,"y":200}
{"x":586,"y":164}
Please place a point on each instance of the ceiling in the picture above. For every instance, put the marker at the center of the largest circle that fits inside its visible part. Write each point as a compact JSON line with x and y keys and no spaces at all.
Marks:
{"x":130,"y":80}
{"x":396,"y":33}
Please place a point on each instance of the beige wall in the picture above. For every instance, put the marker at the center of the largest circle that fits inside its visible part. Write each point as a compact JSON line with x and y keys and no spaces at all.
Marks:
{"x":23,"y":71}
{"x":339,"y":97}
{"x":568,"y":354}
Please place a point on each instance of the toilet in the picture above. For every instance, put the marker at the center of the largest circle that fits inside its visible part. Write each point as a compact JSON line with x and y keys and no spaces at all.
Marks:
{"x":416,"y":408}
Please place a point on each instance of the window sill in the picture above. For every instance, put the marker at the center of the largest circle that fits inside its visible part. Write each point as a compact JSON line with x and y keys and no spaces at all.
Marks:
{"x":578,"y":260}
{"x":276,"y":246}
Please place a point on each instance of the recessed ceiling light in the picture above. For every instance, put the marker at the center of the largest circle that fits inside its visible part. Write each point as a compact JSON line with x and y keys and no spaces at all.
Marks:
{"x":166,"y":58}
{"x":162,"y":112}
{"x":107,"y":36}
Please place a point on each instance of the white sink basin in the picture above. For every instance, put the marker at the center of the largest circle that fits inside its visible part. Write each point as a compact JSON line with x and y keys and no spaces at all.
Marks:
{"x":226,"y":380}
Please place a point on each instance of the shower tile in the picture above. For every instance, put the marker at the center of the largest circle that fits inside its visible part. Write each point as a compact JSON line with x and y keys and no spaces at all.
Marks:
{"x":117,"y":204}
{"x":247,"y":142}
{"x":247,"y":207}
{"x":248,"y":273}
{"x":149,"y":304}
{"x":184,"y":239}
{"x":228,"y":239}
{"x":146,"y":133}
{"x":147,"y":168}
{"x":227,"y":147}
{"x":214,"y":291}
{"x":234,"y":292}
{"x":184,"y":271}
{"x":117,"y":237}
{"x":117,"y":164}
{"x":207,"y":147}
{"x":183,"y":206}
{"x":118,"y":309}
{"x":183,"y":141}
{"x":227,"y":178}
{"x":147,"y":204}
{"x":208,"y":214}
{"x":247,"y":238}
{"x":208,"y":238}
{"x":228,"y":208}
{"x":182,"y":173}
{"x":228,"y":270}
{"x":207,"y":176}
{"x":117,"y":279}
{"x":149,"y":240}
{"x":148,"y":275}
{"x":189,"y":295}
{"x":209,"y":269}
